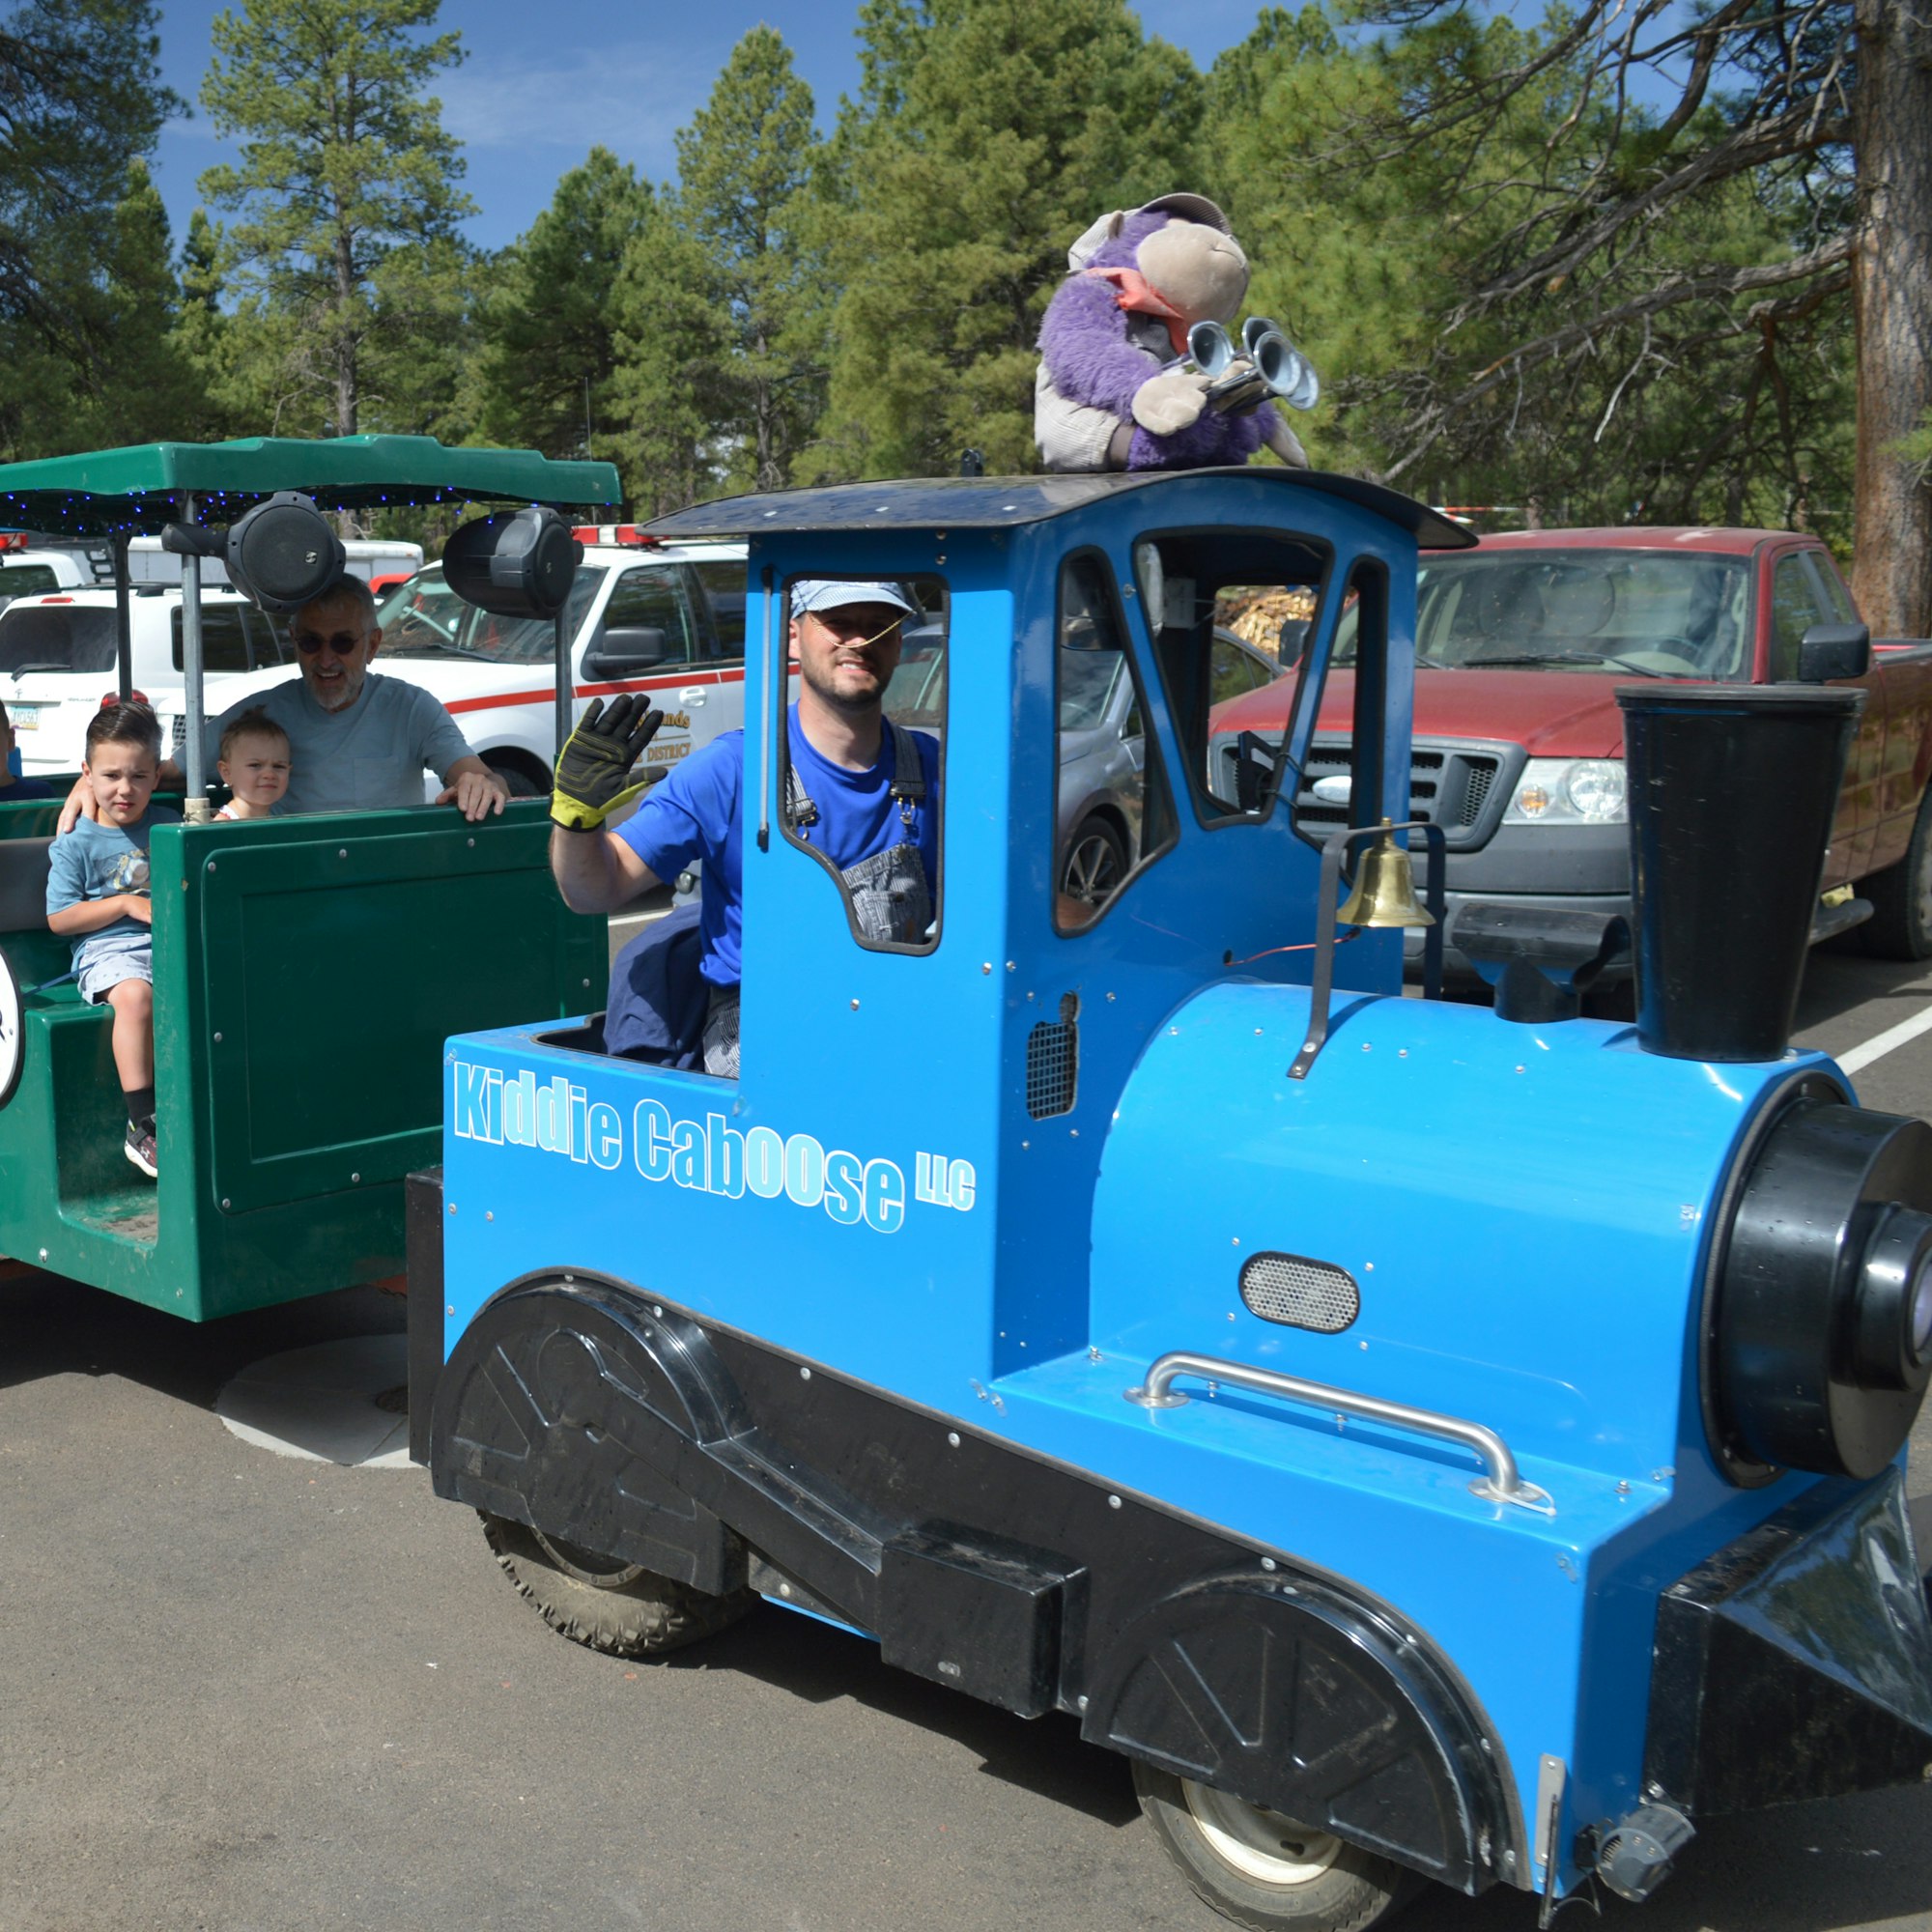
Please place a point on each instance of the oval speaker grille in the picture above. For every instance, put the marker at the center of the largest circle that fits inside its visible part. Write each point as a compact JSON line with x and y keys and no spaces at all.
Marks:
{"x":1300,"y":1293}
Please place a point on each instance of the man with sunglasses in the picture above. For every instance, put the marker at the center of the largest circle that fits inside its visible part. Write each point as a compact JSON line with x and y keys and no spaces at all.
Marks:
{"x":860,"y":791}
{"x":358,"y":741}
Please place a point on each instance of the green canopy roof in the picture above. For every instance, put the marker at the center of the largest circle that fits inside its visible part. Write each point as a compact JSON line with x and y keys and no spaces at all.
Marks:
{"x":138,"y":489}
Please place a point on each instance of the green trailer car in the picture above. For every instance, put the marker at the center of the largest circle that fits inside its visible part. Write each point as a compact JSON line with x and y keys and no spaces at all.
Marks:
{"x":307,"y":970}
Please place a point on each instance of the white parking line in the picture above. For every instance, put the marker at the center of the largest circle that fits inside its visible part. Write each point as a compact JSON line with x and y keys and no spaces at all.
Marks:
{"x":1877,"y":1047}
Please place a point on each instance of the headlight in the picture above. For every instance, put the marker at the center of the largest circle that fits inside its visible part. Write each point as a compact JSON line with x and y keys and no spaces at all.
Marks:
{"x":1567,"y":791}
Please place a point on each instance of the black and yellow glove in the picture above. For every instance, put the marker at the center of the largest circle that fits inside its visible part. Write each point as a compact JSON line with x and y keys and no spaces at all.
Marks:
{"x":594,"y":766}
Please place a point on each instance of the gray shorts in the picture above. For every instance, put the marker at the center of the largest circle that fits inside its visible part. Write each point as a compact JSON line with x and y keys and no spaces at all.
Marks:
{"x":99,"y":974}
{"x":721,"y":1033}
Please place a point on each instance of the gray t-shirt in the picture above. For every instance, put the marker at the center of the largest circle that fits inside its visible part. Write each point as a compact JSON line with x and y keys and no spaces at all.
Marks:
{"x":372,"y":753}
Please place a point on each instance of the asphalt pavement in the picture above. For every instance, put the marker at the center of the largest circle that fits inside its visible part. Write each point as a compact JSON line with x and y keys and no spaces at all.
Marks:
{"x":245,"y":1693}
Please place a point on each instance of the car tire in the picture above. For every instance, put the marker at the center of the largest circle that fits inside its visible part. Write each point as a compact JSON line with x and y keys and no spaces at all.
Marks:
{"x":1900,"y":926}
{"x":1263,"y":1870}
{"x":1095,"y":864}
{"x":620,"y":1608}
{"x":518,"y":781}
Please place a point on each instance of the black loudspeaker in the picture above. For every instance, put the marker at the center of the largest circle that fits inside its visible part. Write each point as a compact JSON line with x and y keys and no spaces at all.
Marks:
{"x":283,"y":554}
{"x":519,"y":565}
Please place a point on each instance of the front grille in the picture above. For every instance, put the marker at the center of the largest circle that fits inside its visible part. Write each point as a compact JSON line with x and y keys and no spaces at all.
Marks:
{"x":1447,"y":786}
{"x":1300,"y":1293}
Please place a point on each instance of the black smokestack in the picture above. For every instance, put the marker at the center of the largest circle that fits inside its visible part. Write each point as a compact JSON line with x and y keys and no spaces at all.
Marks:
{"x":1732,"y":793}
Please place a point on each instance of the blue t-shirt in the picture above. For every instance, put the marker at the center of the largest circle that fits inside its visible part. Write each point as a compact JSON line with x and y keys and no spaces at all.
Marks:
{"x":697,"y":812}
{"x":25,"y":788}
{"x":96,"y":862}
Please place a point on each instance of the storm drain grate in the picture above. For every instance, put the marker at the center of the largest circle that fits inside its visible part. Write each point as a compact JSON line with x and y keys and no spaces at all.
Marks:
{"x":1052,"y":1062}
{"x":1300,"y":1293}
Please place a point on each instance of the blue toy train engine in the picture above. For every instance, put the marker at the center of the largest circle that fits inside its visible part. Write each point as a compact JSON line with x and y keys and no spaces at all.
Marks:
{"x":1429,"y":1442}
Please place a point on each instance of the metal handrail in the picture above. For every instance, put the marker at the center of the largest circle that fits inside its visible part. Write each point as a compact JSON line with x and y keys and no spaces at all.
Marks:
{"x":1501,"y":1481}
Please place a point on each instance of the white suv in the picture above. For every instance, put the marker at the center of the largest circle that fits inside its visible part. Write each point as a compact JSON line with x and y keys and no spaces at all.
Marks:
{"x":57,"y":663}
{"x":668,"y":619}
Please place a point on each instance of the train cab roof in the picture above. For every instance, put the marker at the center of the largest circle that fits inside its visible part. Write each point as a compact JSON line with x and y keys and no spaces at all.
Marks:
{"x":1006,"y":503}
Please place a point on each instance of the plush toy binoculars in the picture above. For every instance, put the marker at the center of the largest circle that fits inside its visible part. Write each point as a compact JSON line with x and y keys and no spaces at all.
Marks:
{"x":1267,"y":365}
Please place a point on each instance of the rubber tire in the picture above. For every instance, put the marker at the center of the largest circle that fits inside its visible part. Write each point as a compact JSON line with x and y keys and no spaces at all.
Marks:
{"x":1091,"y":829}
{"x":518,"y":780}
{"x":1900,"y":926}
{"x":1358,"y":1891}
{"x":638,"y":1613}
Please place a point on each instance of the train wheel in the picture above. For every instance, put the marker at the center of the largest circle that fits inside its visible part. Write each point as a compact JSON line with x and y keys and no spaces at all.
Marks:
{"x":1264,"y":1871}
{"x":620,"y":1608}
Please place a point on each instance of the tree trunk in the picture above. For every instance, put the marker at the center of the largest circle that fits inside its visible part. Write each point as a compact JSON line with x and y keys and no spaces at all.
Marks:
{"x":1892,"y":297}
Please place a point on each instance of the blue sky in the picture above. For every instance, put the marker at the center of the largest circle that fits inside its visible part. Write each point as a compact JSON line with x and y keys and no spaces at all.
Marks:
{"x":540,"y":88}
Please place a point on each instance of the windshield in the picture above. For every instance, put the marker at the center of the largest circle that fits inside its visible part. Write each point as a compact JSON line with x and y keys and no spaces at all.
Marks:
{"x":1651,"y":612}
{"x":425,"y":618}
{"x":56,"y":637}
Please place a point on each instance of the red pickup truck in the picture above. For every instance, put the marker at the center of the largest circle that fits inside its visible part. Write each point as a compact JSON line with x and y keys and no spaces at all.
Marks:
{"x":1521,"y":644}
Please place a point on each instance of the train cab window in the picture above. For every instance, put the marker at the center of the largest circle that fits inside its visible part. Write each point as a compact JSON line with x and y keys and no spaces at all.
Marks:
{"x":1113,"y":809}
{"x":893,"y":888}
{"x":1230,"y":612}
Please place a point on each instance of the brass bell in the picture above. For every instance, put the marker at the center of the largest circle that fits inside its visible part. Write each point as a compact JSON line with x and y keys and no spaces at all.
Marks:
{"x":1384,"y":892}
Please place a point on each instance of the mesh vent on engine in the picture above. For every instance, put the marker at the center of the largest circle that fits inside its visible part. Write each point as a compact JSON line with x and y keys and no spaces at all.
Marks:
{"x":1053,"y":1061}
{"x":1300,"y":1293}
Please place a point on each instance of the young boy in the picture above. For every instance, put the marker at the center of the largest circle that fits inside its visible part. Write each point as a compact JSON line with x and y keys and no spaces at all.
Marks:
{"x":254,"y":766}
{"x":98,"y":896}
{"x":11,"y":787}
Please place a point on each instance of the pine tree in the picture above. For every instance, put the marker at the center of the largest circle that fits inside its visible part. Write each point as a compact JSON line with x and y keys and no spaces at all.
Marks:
{"x":80,"y":100}
{"x":744,"y":165}
{"x":139,"y":386}
{"x":989,"y":134}
{"x":547,"y":333}
{"x":345,"y":160}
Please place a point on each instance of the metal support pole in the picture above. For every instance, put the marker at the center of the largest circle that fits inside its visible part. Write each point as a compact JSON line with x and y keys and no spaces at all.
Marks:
{"x":123,"y":632}
{"x":565,"y":690}
{"x":194,"y":754}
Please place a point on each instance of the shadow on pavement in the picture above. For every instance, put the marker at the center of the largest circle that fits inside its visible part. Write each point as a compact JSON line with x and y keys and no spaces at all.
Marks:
{"x":58,"y":1328}
{"x":1838,"y":978}
{"x":810,"y":1660}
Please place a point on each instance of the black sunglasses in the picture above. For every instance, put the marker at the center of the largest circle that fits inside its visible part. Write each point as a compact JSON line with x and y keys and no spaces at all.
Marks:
{"x":340,"y":645}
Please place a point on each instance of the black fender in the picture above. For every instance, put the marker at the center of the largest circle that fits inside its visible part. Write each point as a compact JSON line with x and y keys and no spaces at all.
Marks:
{"x":569,"y":1405}
{"x":598,"y":1414}
{"x":1291,"y":1693}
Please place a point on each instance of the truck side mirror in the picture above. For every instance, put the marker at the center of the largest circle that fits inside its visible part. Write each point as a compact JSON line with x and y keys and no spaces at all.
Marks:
{"x":1294,"y":641}
{"x":1829,"y":651}
{"x":627,"y":651}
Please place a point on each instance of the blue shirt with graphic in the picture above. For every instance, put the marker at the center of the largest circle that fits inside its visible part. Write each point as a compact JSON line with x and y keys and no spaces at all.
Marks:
{"x":698,"y":813}
{"x":96,"y":862}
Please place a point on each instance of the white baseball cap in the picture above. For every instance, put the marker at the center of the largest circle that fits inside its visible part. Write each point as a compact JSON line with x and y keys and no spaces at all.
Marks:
{"x":826,"y":594}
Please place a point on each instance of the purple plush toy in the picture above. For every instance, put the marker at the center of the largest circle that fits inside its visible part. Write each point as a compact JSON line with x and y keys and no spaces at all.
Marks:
{"x":1105,"y":396}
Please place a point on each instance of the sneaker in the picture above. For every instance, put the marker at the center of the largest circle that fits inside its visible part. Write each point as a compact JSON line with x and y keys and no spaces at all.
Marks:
{"x":141,"y":1149}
